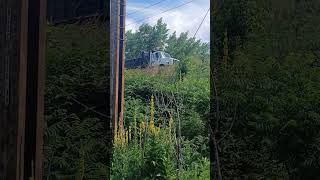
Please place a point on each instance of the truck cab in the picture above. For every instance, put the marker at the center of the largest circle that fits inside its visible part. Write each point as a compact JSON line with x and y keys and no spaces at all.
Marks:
{"x":160,"y":58}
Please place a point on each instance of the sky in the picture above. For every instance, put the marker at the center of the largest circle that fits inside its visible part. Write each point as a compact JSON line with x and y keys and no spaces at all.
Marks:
{"x":182,"y":19}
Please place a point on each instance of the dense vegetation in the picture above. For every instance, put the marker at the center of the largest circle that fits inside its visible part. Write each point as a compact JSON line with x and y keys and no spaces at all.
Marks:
{"x":158,"y":100}
{"x":264,"y":92}
{"x":77,"y":138}
{"x":265,"y":89}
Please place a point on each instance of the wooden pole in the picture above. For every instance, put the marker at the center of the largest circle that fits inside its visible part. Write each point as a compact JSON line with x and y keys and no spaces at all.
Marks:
{"x":22,"y":36}
{"x":117,"y":37}
{"x":122,"y":28}
{"x":13,"y":59}
{"x":114,"y":44}
{"x":35,"y":89}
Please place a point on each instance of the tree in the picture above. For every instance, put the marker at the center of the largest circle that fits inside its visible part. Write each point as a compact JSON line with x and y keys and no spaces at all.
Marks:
{"x":157,"y":37}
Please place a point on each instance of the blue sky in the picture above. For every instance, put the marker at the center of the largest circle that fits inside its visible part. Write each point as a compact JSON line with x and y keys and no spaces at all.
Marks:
{"x":182,"y":19}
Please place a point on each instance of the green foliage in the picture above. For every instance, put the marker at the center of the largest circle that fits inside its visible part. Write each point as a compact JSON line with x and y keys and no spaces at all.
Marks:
{"x":159,"y":160}
{"x":157,"y":157}
{"x":197,"y":170}
{"x":269,"y":91}
{"x":147,"y":38}
{"x":156,"y":37}
{"x":277,"y":103}
{"x":154,"y":165}
{"x":76,"y":143}
{"x":193,"y":92}
{"x":127,"y":163}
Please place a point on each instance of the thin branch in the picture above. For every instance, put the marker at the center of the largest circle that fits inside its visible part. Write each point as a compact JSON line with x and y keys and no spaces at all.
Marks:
{"x":179,"y":137}
{"x":229,"y":130}
{"x":215,"y":132}
{"x":83,"y":105}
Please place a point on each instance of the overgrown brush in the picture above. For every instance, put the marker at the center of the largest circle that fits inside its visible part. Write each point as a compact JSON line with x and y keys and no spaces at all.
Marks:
{"x":150,"y":152}
{"x":75,"y":138}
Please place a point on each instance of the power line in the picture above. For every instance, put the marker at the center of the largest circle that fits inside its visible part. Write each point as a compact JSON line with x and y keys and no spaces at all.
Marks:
{"x":201,"y":23}
{"x":161,"y":12}
{"x":151,"y":5}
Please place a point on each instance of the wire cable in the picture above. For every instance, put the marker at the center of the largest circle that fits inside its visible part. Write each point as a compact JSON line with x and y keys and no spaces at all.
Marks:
{"x":141,"y":20}
{"x":151,"y":5}
{"x":201,"y":23}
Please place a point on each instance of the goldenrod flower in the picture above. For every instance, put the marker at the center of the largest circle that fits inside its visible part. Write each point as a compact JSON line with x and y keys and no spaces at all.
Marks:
{"x":129,"y":135}
{"x":152,"y":109}
{"x":126,"y":137}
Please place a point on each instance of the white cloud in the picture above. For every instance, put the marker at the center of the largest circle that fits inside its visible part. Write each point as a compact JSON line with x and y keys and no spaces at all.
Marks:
{"x":185,"y":18}
{"x":132,"y":26}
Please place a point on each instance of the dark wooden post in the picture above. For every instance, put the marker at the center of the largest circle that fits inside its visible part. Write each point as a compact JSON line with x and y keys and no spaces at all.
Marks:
{"x":22,"y":44}
{"x":13,"y":59}
{"x":35,"y":89}
{"x":122,"y":30}
{"x":114,"y":50}
{"x":117,"y":37}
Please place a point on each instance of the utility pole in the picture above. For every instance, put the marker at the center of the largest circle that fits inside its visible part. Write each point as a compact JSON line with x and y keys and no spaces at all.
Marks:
{"x":22,"y":39}
{"x":122,"y":59}
{"x":117,"y":45}
{"x":114,"y":46}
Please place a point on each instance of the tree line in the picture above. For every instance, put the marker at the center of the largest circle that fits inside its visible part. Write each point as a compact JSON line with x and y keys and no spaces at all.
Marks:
{"x":157,"y":37}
